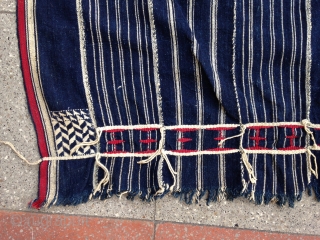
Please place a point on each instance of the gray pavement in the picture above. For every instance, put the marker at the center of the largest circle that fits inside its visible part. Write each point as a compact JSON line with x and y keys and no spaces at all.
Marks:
{"x":18,"y":181}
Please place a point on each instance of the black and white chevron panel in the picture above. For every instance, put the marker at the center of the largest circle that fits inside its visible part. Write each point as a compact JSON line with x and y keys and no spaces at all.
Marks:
{"x":72,"y":127}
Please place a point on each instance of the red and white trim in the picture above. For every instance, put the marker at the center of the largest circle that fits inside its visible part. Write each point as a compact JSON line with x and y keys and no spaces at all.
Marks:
{"x":34,"y":95}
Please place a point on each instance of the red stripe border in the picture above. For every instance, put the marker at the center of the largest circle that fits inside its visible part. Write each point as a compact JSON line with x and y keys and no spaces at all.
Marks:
{"x":33,"y":106}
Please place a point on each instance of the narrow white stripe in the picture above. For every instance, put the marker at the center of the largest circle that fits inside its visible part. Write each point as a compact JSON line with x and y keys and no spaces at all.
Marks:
{"x":142,"y":126}
{"x":175,"y":60}
{"x":204,"y":152}
{"x":121,"y":62}
{"x":292,"y":61}
{"x":101,"y":60}
{"x":281,"y":63}
{"x":123,"y":83}
{"x":201,"y":126}
{"x":148,"y":63}
{"x":120,"y":175}
{"x":112,"y":68}
{"x":32,"y":45}
{"x":243,"y":58}
{"x":300,"y":62}
{"x":129,"y":127}
{"x":131,"y":64}
{"x":234,"y":57}
{"x":276,"y":152}
{"x":95,"y":64}
{"x":309,"y":59}
{"x":271,"y":62}
{"x":250,"y":63}
{"x":141,"y":67}
{"x":155,"y":60}
{"x":261,"y":63}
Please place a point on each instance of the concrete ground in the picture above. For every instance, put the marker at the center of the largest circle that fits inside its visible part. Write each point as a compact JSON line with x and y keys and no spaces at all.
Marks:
{"x":18,"y":181}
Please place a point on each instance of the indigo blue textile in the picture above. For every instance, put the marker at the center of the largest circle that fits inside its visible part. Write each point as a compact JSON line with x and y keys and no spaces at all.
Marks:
{"x":147,"y":97}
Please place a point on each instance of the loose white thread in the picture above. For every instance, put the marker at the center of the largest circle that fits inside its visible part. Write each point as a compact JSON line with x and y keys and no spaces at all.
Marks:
{"x":20,"y":155}
{"x":310,"y":156}
{"x":242,"y":131}
{"x":123,"y":193}
{"x":248,"y":166}
{"x":104,"y":180}
{"x":244,"y":155}
{"x":307,"y":124}
{"x":245,"y":158}
{"x":164,"y":156}
{"x":96,"y":141}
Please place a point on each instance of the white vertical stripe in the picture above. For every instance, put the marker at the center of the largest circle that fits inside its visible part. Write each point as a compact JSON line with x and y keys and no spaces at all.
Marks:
{"x":123,"y":84}
{"x":243,"y":57}
{"x":121,"y":62}
{"x":300,"y":64}
{"x":250,"y":63}
{"x":272,"y":88}
{"x":32,"y":48}
{"x":95,"y":66}
{"x":148,"y":63}
{"x":175,"y":61}
{"x":131,"y":65}
{"x":308,"y":69}
{"x":292,"y":61}
{"x":120,"y":174}
{"x":177,"y":81}
{"x":308,"y":56}
{"x":271,"y":62}
{"x":261,"y":63}
{"x":112,"y":66}
{"x":155,"y":61}
{"x":157,"y":82}
{"x":85,"y":77}
{"x":199,"y":93}
{"x":141,"y":67}
{"x":234,"y":58}
{"x":113,"y":159}
{"x":301,"y":172}
{"x":214,"y":66}
{"x":294,"y":175}
{"x":101,"y":60}
{"x":281,"y":64}
{"x":274,"y":170}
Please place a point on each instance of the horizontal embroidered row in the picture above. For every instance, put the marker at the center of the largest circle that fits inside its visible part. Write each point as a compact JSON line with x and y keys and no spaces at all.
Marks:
{"x":270,"y":138}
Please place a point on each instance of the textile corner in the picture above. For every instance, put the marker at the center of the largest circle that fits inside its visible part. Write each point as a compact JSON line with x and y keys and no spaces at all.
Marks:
{"x":214,"y":99}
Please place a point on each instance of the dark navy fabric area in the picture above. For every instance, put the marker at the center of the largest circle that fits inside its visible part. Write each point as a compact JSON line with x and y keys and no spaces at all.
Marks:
{"x":59,"y":55}
{"x":74,"y":181}
{"x":315,"y":68}
{"x":280,"y":176}
{"x":127,"y":175}
{"x":185,"y":40}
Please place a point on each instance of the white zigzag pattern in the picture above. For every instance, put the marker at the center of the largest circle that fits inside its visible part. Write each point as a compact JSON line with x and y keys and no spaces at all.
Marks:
{"x":71,"y":128}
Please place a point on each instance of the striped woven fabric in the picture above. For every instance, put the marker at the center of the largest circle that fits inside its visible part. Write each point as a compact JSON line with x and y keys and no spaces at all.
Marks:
{"x":215,"y":99}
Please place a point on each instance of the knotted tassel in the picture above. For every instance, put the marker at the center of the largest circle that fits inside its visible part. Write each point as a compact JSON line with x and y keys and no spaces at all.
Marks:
{"x":161,"y":152}
{"x":242,"y":131}
{"x":310,"y":156}
{"x":104,"y":180}
{"x":306,"y":124}
{"x":248,"y":166}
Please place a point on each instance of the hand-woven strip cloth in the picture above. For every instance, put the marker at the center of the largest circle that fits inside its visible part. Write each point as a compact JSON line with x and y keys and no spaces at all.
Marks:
{"x":215,"y":98}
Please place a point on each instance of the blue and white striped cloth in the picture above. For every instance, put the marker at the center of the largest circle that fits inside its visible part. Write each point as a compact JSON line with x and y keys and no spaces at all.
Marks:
{"x":211,"y":98}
